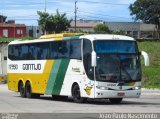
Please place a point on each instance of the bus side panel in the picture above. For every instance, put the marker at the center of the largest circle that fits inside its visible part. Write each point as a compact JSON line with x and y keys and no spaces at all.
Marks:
{"x":57,"y":75}
{"x":12,"y":82}
{"x":73,"y":75}
{"x":38,"y":80}
{"x":76,"y":74}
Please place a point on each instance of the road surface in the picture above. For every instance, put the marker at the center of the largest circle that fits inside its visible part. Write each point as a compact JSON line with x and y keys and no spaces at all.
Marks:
{"x":11,"y":102}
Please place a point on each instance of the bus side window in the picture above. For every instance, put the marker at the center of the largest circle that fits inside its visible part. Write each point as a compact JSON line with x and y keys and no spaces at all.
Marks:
{"x":11,"y":52}
{"x":24,"y":52}
{"x":63,"y":49}
{"x":75,"y":49}
{"x":54,"y":50}
{"x":87,"y":49}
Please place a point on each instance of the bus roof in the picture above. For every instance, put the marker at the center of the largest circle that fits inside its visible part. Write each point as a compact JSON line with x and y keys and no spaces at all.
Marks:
{"x":30,"y":41}
{"x":61,"y":35}
{"x":70,"y":36}
{"x":50,"y":37}
{"x":93,"y":37}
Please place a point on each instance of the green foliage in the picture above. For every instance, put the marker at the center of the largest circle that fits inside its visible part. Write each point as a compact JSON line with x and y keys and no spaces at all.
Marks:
{"x":53,"y":23}
{"x":151,"y":74}
{"x":11,"y":39}
{"x":101,"y":29}
{"x":43,"y":18}
{"x":146,"y":10}
{"x":120,"y":32}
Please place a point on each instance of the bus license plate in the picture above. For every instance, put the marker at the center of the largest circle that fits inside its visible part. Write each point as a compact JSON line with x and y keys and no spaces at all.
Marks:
{"x":120,"y":94}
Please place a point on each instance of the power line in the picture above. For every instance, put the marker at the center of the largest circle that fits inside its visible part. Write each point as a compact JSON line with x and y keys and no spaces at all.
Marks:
{"x":97,"y":14}
{"x":102,"y":3}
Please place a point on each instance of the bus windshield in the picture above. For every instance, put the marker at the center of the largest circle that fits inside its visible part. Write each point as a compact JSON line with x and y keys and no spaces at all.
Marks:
{"x":117,"y":61}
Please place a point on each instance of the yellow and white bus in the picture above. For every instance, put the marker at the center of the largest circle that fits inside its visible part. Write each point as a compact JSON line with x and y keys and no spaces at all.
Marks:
{"x":81,"y":66}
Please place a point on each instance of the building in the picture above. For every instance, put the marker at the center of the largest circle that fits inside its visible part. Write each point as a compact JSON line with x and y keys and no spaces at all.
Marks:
{"x":11,"y":30}
{"x":85,"y":25}
{"x":34,"y":31}
{"x":134,"y":29}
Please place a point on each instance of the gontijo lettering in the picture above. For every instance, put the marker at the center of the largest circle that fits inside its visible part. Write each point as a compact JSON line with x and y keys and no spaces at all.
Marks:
{"x":31,"y":66}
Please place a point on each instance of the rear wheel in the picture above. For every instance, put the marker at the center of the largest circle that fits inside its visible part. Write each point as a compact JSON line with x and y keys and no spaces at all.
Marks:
{"x":28,"y":90}
{"x":22,"y":90}
{"x":76,"y":94}
{"x":115,"y":100}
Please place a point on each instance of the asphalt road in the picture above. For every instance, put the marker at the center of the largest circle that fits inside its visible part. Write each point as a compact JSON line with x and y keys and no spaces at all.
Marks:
{"x":11,"y":102}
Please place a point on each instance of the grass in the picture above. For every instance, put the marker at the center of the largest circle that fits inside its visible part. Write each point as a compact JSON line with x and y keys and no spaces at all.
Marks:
{"x":151,"y":74}
{"x":11,"y":39}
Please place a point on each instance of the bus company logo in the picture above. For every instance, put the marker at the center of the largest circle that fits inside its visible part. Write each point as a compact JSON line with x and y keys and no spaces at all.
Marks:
{"x":31,"y":66}
{"x":88,"y":90}
{"x":9,"y":116}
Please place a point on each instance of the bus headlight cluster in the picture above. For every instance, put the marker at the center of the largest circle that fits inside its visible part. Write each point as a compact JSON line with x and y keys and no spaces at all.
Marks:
{"x":136,"y":88}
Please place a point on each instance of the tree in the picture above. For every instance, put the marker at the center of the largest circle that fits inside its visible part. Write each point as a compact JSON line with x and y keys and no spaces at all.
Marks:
{"x":53,"y":23}
{"x":43,"y":18}
{"x":146,"y":10}
{"x":119,"y":32}
{"x":101,"y":28}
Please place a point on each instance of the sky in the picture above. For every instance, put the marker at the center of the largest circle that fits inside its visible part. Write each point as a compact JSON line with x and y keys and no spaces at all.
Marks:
{"x":25,"y":11}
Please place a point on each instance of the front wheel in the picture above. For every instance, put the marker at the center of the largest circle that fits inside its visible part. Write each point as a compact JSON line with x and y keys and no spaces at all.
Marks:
{"x":76,"y":94}
{"x":115,"y":100}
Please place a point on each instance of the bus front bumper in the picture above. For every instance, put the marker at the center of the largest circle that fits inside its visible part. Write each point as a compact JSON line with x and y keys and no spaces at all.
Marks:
{"x":118,"y":93}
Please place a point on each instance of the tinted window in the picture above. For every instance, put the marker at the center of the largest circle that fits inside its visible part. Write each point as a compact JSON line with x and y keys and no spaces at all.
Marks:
{"x":115,"y":46}
{"x":42,"y":50}
{"x":87,"y":49}
{"x":75,"y":49}
{"x":48,"y":50}
{"x":63,"y":49}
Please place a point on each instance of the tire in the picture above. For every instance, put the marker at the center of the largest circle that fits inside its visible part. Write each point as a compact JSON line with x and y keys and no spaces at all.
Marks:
{"x":76,"y":94}
{"x":115,"y":100}
{"x":22,"y":90}
{"x":28,"y":90}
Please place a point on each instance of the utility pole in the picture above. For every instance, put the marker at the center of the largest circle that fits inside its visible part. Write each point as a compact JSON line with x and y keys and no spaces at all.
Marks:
{"x":45,"y":6}
{"x":45,"y":32}
{"x":75,"y":15}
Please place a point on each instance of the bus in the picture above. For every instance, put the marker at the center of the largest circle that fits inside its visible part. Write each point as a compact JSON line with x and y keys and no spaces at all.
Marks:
{"x":81,"y":66}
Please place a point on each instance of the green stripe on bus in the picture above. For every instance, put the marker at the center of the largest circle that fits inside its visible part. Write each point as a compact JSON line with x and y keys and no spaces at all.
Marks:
{"x":57,"y":76}
{"x":60,"y":77}
{"x":53,"y":76}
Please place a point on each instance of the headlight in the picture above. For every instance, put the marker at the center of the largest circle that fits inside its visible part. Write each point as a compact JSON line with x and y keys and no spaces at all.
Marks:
{"x":137,"y":88}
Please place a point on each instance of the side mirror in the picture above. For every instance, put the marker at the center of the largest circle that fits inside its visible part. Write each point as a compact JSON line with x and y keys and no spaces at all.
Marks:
{"x":146,"y":58}
{"x":94,"y":59}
